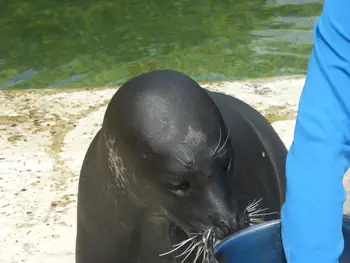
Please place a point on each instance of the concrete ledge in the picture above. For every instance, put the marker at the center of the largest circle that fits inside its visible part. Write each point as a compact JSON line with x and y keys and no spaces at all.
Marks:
{"x":44,"y":137}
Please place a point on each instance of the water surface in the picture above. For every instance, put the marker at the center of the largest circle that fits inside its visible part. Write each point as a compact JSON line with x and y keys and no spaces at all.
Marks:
{"x":60,"y":43}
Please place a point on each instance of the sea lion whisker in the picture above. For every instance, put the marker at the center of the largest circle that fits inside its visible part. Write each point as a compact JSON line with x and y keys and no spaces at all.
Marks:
{"x":178,"y":246}
{"x":250,"y":206}
{"x":212,"y":258}
{"x":258,"y":211}
{"x":254,"y":214}
{"x":182,"y":149}
{"x":208,"y":257}
{"x":253,"y":205}
{"x":193,"y":160}
{"x":255,"y":202}
{"x":173,"y":250}
{"x":187,"y":250}
{"x":264,"y":214}
{"x":223,"y":153}
{"x":255,"y":220}
{"x":208,"y":239}
{"x":184,"y":241}
{"x":217,"y":146}
{"x":205,"y":253}
{"x":189,"y":253}
{"x":200,"y":250}
{"x":225,"y":142}
{"x":182,"y":162}
{"x":247,"y":208}
{"x":190,"y":164}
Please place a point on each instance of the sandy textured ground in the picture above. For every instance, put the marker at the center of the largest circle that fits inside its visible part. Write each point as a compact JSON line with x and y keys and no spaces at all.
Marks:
{"x":44,"y":136}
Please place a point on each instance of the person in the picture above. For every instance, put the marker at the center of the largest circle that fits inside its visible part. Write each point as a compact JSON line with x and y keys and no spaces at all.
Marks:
{"x":311,"y":217}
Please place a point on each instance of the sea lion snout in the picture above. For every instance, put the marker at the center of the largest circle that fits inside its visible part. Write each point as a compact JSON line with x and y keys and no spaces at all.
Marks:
{"x":222,"y":210}
{"x":224,"y":225}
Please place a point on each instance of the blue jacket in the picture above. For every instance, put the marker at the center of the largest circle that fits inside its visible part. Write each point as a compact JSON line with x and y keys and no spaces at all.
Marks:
{"x":317,"y":160}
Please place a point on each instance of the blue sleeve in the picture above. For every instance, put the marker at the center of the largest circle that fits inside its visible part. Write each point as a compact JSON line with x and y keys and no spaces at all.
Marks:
{"x":312,"y":214}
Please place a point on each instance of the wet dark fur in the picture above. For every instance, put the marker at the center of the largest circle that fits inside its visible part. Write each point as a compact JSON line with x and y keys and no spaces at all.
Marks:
{"x":148,"y":119}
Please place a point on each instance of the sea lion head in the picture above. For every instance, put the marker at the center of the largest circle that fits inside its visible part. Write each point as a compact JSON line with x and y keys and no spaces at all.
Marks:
{"x":172,"y":140}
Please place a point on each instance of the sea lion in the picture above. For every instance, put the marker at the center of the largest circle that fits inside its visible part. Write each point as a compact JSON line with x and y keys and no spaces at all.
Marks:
{"x":173,"y":161}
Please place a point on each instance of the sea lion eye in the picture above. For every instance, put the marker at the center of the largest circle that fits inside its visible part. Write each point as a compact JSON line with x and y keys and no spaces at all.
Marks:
{"x":179,"y":185}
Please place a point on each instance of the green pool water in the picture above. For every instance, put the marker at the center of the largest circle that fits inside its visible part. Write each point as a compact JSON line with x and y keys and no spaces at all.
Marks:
{"x":80,"y":43}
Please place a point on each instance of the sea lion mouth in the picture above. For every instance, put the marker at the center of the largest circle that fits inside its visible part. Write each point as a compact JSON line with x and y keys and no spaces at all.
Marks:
{"x":201,"y":245}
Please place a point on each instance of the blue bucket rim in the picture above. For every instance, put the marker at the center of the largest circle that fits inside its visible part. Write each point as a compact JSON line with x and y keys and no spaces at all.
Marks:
{"x":246,"y":231}
{"x":265,"y":225}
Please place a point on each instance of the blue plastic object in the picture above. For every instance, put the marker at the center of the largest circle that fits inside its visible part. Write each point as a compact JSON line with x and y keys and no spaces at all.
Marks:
{"x":319,"y":155}
{"x":263,"y":244}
